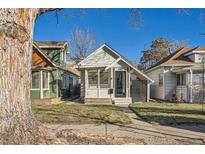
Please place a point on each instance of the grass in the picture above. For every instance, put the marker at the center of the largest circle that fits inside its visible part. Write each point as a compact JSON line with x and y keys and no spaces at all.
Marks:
{"x":169,"y":113}
{"x":66,"y":113}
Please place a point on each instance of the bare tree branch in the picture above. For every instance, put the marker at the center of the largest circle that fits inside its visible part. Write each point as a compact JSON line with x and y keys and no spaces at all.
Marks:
{"x":136,"y":18}
{"x":81,"y":43}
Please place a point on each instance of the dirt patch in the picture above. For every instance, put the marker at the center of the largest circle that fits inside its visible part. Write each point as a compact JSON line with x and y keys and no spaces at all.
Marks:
{"x":62,"y":136}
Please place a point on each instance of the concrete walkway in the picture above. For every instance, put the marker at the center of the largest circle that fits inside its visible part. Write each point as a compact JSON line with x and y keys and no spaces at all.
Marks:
{"x":187,"y":134}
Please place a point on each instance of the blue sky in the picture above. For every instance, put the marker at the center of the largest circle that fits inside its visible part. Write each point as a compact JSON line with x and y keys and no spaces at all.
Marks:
{"x":111,"y":26}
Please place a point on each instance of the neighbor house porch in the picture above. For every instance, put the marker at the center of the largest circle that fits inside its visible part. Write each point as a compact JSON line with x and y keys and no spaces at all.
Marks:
{"x":189,"y":84}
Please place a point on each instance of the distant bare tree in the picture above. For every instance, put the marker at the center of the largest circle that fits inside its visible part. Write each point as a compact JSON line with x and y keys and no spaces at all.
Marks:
{"x":81,"y":43}
{"x":159,"y":49}
{"x":136,"y":18}
{"x":183,"y":11}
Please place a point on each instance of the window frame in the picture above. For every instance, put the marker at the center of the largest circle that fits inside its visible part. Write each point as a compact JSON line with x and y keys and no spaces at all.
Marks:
{"x":40,"y":80}
{"x":181,"y":79}
{"x":106,"y":84}
{"x":48,"y":80}
{"x":95,"y":85}
{"x":39,"y":73}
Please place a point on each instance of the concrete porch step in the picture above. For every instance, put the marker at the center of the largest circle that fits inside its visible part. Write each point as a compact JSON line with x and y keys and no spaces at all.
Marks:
{"x":98,"y":100}
{"x":122,"y":100}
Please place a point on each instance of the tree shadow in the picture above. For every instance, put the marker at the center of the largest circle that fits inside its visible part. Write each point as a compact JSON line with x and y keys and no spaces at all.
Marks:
{"x":176,"y":118}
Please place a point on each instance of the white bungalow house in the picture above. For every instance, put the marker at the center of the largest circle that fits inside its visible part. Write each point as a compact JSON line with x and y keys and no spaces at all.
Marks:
{"x":178,"y":77}
{"x":106,"y":76}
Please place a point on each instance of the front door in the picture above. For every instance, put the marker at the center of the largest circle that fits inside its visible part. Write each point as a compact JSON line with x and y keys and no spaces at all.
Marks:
{"x":120,"y":84}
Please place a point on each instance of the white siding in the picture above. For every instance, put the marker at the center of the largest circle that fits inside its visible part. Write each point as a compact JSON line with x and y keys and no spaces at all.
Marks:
{"x":197,"y":58}
{"x":100,"y":58}
{"x":170,"y":82}
{"x":82,"y":84}
{"x":156,"y":91}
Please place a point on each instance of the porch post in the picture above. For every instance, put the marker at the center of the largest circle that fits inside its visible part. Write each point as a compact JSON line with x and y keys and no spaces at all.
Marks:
{"x":41,"y":84}
{"x":111,"y":81}
{"x":126,"y":83}
{"x":86,"y":82}
{"x":190,"y":87}
{"x":148,"y":91}
{"x":98,"y":83}
{"x":128,"y":86}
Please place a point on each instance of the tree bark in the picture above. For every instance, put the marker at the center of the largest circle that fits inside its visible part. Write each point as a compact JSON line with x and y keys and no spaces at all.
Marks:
{"x":17,"y":123}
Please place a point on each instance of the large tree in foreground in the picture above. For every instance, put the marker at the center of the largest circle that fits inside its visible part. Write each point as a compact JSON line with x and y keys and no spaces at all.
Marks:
{"x":17,"y":123}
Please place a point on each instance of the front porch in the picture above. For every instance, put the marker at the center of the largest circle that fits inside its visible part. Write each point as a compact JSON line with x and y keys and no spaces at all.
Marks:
{"x":189,"y":86}
{"x":105,"y":74}
{"x":113,"y":85}
{"x":107,"y":84}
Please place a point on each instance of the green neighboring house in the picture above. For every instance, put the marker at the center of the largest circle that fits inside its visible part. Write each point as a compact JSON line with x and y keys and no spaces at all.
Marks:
{"x":51,"y":79}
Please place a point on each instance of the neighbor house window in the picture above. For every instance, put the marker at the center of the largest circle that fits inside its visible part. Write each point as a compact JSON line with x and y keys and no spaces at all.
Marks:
{"x":92,"y":78}
{"x":181,"y":79}
{"x":160,"y":79}
{"x":104,"y":79}
{"x":197,"y":78}
{"x":45,"y":80}
{"x":35,"y":80}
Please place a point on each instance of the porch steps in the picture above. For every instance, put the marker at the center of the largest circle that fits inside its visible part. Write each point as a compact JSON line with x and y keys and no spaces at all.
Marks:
{"x":98,"y":100}
{"x":122,"y":100}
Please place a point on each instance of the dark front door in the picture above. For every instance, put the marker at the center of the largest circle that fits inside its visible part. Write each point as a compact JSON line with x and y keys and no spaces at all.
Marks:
{"x":120,"y":84}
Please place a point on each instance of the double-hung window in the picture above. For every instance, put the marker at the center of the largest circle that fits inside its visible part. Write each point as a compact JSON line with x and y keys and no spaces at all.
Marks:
{"x":45,"y":80}
{"x":35,"y":81}
{"x":181,"y":79}
{"x":92,"y":78}
{"x":103,"y":79}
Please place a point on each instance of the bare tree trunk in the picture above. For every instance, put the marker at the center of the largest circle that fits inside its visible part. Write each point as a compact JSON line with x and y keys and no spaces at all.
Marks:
{"x":17,"y":123}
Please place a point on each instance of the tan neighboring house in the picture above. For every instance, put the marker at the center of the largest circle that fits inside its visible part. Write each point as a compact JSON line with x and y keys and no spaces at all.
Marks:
{"x":178,"y":77}
{"x":106,"y":76}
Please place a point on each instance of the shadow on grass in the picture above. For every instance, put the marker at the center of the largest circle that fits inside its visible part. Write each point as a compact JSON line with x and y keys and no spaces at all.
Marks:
{"x":82,"y":114}
{"x":168,"y":110}
{"x":188,"y":119}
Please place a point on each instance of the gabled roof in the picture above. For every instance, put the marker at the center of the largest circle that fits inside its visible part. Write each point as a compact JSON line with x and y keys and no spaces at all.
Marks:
{"x":43,"y":55}
{"x":52,"y":44}
{"x":120,"y":57}
{"x":50,"y":62}
{"x":175,"y":58}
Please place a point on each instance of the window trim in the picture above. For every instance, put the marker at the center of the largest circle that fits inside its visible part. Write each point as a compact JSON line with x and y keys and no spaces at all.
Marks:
{"x":107,"y":84}
{"x":182,"y":79}
{"x":31,"y":84}
{"x":41,"y":81}
{"x":91,"y":86}
{"x":47,"y":80}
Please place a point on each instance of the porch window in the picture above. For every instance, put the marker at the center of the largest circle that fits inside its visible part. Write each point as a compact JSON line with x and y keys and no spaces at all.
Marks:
{"x":92,"y":78}
{"x":160,"y":79}
{"x":45,"y":80}
{"x":181,"y":79}
{"x":35,"y":84}
{"x":104,"y":79}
